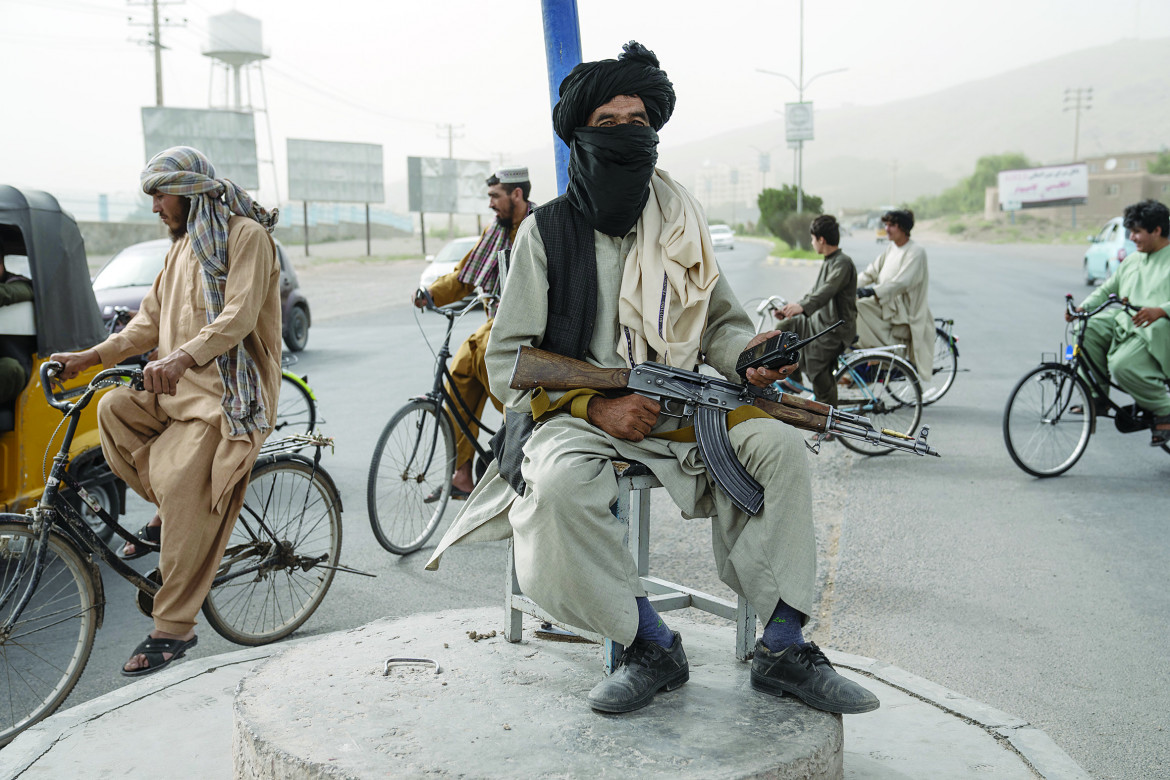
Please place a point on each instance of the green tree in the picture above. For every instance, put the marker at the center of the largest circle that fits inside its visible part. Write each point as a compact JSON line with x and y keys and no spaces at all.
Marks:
{"x":776,"y":205}
{"x":1162,"y":163}
{"x":967,"y":196}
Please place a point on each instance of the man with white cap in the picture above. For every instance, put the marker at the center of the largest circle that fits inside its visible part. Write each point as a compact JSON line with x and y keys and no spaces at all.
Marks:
{"x":508,"y":190}
{"x":188,"y":443}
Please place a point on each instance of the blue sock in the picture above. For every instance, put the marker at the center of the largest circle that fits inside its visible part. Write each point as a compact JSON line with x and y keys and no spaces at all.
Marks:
{"x":783,"y":629}
{"x":650,"y":625}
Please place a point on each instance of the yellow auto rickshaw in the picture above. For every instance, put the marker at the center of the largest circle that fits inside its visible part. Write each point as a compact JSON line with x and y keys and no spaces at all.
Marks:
{"x":41,"y":241}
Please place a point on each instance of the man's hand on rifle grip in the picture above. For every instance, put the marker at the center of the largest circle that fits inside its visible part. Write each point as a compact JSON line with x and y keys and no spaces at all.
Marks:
{"x":626,"y":417}
{"x":762,"y":377}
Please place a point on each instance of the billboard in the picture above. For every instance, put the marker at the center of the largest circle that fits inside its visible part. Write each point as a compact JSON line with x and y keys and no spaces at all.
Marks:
{"x":227,"y":138}
{"x":440,"y":185}
{"x":334,"y":172}
{"x":1056,"y":185}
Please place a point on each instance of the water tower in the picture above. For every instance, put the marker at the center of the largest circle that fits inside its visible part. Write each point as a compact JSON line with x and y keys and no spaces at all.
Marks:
{"x":234,"y":44}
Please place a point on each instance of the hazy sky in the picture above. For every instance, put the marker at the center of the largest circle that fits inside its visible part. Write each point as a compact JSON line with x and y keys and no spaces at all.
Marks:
{"x":390,"y":71}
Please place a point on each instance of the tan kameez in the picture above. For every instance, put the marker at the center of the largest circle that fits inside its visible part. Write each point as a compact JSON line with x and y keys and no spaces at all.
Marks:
{"x":177,"y":451}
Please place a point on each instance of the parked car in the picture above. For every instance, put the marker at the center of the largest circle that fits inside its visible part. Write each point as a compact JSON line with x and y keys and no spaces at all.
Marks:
{"x":1106,"y":251}
{"x":722,"y":236}
{"x":127,"y":276}
{"x":445,"y":262}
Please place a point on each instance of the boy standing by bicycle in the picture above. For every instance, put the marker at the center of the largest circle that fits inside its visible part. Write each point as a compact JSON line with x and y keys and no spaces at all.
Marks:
{"x":1136,"y":349}
{"x":508,"y":190}
{"x":188,"y":443}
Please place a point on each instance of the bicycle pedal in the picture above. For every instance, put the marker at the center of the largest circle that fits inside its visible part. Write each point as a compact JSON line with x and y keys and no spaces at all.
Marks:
{"x":144,"y":600}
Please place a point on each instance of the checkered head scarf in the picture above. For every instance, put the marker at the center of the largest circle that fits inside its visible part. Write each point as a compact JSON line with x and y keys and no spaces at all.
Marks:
{"x":184,"y":171}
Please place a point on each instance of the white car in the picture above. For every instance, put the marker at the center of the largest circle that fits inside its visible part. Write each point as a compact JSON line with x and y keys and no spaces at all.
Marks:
{"x":445,"y":262}
{"x":722,"y":236}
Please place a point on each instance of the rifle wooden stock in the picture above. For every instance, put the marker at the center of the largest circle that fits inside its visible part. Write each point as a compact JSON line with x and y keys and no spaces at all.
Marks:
{"x":538,"y":368}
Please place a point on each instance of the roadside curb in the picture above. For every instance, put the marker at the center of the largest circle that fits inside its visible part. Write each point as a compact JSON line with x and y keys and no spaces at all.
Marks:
{"x":28,"y":747}
{"x":1032,"y":745}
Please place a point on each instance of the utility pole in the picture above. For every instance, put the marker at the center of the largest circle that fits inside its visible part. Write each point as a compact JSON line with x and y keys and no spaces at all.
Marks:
{"x":1077,"y":100}
{"x":154,"y":39}
{"x":450,"y":130}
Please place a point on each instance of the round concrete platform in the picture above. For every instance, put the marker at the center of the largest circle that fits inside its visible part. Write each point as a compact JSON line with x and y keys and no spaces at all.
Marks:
{"x":324,"y":708}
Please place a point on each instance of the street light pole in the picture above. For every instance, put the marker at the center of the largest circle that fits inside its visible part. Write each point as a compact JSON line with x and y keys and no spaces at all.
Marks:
{"x":800,"y":144}
{"x":801,"y":85}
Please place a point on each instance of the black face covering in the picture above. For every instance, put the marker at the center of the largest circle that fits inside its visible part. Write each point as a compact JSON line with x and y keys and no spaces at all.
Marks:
{"x":609,"y":174}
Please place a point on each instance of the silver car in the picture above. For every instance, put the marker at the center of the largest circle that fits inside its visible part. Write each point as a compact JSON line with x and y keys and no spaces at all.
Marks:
{"x":445,"y":262}
{"x":722,"y":237}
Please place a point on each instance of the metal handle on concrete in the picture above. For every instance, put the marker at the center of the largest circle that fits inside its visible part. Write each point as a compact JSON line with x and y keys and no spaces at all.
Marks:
{"x":409,"y":662}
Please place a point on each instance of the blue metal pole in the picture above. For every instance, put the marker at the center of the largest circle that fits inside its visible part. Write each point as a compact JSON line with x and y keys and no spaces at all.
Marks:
{"x":562,"y":47}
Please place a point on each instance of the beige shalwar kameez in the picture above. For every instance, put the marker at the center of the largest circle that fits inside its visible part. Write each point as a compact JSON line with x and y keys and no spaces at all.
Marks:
{"x":898,"y":312}
{"x":177,"y":451}
{"x":570,"y":551}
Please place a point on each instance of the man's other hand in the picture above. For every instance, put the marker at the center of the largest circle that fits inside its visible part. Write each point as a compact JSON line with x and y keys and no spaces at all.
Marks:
{"x":1069,"y":318}
{"x":762,"y":377}
{"x":73,"y":363}
{"x":627,"y":417}
{"x":162,"y":376}
{"x":791,"y":310}
{"x":418,"y":298}
{"x":1147,"y":316}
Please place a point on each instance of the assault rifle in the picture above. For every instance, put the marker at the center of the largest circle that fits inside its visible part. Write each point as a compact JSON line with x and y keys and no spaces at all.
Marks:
{"x":708,"y":400}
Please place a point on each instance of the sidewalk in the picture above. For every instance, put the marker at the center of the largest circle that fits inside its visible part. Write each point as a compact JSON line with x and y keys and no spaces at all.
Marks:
{"x":184,"y":718}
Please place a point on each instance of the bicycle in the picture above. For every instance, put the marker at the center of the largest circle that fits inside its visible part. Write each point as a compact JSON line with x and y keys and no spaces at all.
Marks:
{"x":1051,"y":413}
{"x":409,"y":483}
{"x":279,"y":563}
{"x":873,"y":383}
{"x":296,"y":412}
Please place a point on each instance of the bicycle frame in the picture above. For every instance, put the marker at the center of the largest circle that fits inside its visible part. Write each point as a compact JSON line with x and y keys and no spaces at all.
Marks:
{"x":53,"y":513}
{"x":1084,"y":367}
{"x":443,"y":378}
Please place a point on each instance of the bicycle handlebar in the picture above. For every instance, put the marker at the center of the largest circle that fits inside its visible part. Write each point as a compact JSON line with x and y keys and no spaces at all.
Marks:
{"x":50,"y":368}
{"x":1112,"y":300}
{"x":772,"y":302}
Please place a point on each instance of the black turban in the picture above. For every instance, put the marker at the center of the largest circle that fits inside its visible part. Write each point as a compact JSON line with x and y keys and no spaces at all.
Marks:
{"x":593,"y":84}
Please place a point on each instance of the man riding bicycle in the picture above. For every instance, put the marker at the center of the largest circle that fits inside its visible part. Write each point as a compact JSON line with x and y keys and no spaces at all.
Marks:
{"x":1136,"y":350}
{"x":892,"y":296}
{"x":508,"y":190}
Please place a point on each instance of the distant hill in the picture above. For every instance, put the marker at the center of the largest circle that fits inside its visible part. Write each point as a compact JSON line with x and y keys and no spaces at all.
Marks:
{"x":894,"y":152}
{"x":935,"y":139}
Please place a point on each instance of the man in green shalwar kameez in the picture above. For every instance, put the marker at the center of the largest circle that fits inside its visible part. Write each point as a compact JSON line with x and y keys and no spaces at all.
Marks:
{"x":1135,"y":349}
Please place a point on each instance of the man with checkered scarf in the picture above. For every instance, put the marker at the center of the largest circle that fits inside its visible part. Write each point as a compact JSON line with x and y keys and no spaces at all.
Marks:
{"x":187,"y":444}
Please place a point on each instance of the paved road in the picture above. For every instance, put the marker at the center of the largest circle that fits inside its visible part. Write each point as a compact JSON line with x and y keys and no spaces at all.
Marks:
{"x":1043,"y":598}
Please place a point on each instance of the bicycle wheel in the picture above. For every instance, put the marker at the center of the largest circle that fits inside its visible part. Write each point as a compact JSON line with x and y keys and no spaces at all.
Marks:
{"x":282,"y":551}
{"x":43,"y":656}
{"x":884,"y":388}
{"x":1043,"y":436}
{"x":410,"y":477}
{"x":946,"y":365}
{"x":297,"y":410}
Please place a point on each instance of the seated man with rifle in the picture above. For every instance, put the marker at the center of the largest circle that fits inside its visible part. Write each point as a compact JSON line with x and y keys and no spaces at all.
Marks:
{"x":619,"y":271}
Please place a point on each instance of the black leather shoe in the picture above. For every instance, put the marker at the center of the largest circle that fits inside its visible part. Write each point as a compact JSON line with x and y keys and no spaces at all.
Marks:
{"x":645,"y":669}
{"x":803,"y":671}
